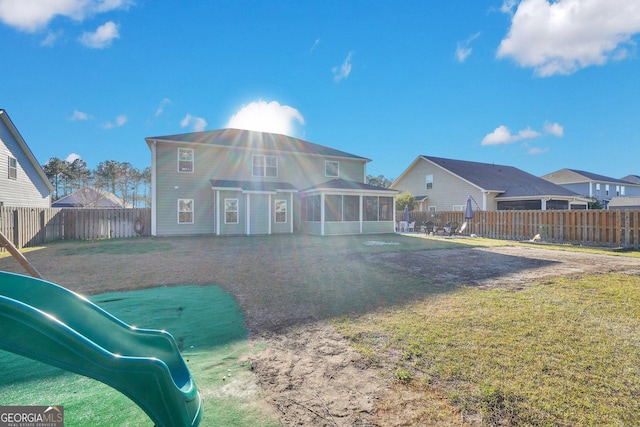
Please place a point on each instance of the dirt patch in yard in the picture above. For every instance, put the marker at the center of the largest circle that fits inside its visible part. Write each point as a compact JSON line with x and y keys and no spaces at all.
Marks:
{"x":308,"y":372}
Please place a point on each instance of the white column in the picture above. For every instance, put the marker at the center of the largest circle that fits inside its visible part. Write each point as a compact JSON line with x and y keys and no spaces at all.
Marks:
{"x":322,"y":214}
{"x":247,"y":218}
{"x":218,"y":205}
{"x":271,"y":208}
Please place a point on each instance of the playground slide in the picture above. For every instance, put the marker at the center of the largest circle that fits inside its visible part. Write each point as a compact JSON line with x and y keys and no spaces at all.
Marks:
{"x":49,"y":323}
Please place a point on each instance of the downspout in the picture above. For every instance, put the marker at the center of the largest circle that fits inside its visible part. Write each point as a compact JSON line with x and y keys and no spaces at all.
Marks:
{"x":217,"y":225}
{"x":291,"y":208}
{"x":322,"y":214}
{"x":271,"y":207}
{"x":153,"y":189}
{"x":247,"y":216}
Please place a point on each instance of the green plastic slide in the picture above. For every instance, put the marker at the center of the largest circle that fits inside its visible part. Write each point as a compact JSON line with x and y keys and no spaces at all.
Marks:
{"x":46,"y":322}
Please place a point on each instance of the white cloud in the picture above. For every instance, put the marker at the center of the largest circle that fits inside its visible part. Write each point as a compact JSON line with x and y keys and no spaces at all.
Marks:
{"x":51,"y":38}
{"x":79,"y":115}
{"x":72,"y":157}
{"x":502,"y":135}
{"x":198,"y":124}
{"x":267,"y":117}
{"x":315,"y":45}
{"x":464,"y":50}
{"x":32,"y":15}
{"x":119,"y":121}
{"x":554,"y":129}
{"x":342,"y":71}
{"x":564,"y":36}
{"x":537,"y":150}
{"x":102,"y":37}
{"x":163,"y":103}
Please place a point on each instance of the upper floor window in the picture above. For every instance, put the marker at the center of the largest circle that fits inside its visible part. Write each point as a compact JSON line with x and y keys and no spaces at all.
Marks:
{"x":185,"y":160}
{"x":185,"y":211}
{"x":331,"y":169}
{"x":13,"y":168}
{"x":617,"y":190}
{"x":622,"y":190}
{"x":266,"y":166}
{"x":606,"y":189}
{"x":597,"y":189}
{"x":429,"y":182}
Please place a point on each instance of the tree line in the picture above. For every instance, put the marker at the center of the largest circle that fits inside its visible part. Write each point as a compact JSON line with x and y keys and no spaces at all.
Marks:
{"x":126,"y":182}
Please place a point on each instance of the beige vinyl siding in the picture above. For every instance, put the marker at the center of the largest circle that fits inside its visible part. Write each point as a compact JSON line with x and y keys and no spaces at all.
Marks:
{"x":448,"y":190}
{"x":172,"y":185}
{"x":28,"y":189}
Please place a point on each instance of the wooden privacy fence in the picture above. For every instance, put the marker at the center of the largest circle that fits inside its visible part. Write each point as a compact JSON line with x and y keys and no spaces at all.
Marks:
{"x":26,"y":227}
{"x":620,"y":228}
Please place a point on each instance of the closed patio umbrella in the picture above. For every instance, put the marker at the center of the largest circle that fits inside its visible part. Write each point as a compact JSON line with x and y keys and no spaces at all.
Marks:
{"x":406,"y":213}
{"x":468,"y":214}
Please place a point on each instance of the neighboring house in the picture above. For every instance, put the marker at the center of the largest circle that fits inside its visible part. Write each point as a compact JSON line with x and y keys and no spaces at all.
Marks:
{"x":240,"y":182}
{"x":445,"y":184}
{"x":22,"y":180}
{"x":625,"y":202}
{"x":634,"y":179}
{"x":588,"y":184}
{"x":88,"y":197}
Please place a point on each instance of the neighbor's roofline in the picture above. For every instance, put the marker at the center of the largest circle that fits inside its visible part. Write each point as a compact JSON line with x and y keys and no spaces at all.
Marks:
{"x":23,"y":144}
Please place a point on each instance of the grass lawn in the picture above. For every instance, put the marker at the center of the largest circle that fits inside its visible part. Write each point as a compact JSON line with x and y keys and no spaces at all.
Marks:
{"x":204,"y":319}
{"x":561,"y":353}
{"x":564,"y":353}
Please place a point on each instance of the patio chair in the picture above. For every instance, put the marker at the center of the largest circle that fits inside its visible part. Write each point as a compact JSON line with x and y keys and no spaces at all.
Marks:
{"x":462,"y":228}
{"x":450,"y":228}
{"x":411,"y":226}
{"x":428,"y":227}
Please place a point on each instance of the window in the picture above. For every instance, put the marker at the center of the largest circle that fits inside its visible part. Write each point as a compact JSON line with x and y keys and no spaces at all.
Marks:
{"x":185,"y":160}
{"x":606,"y":189}
{"x":185,"y":211}
{"x":431,"y":209}
{"x":332,"y":169}
{"x":351,"y":208}
{"x":459,"y":208}
{"x":332,"y":208}
{"x":597,"y":189}
{"x":230,"y":211}
{"x":386,"y":208}
{"x":622,"y":190}
{"x":617,"y":190}
{"x":281,"y":211}
{"x":266,"y":166}
{"x":370,"y":208}
{"x":429,"y":182}
{"x":13,"y":168}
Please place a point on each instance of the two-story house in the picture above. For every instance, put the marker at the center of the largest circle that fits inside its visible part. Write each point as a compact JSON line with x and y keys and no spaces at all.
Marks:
{"x":592,"y":185}
{"x":440,"y":184}
{"x":22,"y":180}
{"x":241,"y":182}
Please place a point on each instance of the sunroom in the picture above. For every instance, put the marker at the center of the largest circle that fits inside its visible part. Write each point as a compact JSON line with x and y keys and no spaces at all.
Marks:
{"x":340,"y":207}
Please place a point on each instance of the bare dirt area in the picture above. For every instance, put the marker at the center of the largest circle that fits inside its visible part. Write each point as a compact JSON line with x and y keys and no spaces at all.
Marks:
{"x":308,"y":373}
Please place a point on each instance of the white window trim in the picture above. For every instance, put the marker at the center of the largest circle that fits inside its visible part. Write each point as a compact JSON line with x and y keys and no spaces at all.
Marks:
{"x":237,"y":211}
{"x":193,"y":216}
{"x":286,"y":212}
{"x":13,"y":169}
{"x":426,"y":182}
{"x":326,"y":164}
{"x":431,"y":209}
{"x":193,"y":166}
{"x":263,"y":174}
{"x":459,"y":208}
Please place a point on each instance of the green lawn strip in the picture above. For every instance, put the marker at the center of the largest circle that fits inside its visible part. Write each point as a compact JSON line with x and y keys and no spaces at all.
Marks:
{"x":206,"y":321}
{"x":564,"y":353}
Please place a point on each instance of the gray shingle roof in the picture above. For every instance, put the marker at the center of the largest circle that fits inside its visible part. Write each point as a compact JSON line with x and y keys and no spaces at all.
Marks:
{"x":258,"y":186}
{"x":510,"y":181}
{"x":343,"y":184}
{"x":248,"y":139}
{"x":597,"y":177}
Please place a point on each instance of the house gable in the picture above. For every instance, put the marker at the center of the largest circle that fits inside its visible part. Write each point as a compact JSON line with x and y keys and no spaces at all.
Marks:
{"x":23,"y":182}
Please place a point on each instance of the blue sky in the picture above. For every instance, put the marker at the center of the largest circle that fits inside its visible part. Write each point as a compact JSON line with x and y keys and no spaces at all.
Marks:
{"x":533,"y":84}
